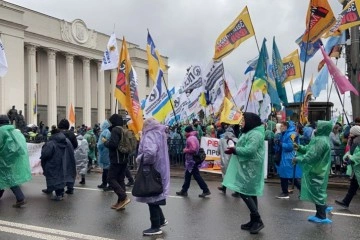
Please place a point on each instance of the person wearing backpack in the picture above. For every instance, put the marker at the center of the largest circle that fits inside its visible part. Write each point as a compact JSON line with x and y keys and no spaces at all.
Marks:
{"x":118,"y":160}
{"x":192,"y":169}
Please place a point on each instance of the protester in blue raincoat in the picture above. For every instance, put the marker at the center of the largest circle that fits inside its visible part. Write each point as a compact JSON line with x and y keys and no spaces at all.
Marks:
{"x":104,"y":159}
{"x":286,"y":169}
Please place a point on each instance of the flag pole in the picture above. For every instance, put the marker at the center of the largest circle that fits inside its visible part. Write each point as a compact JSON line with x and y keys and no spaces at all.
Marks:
{"x":292,"y":90}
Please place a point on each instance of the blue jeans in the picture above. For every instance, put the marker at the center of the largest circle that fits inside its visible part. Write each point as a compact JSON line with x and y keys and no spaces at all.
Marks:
{"x":195,"y":172}
{"x":17,"y":192}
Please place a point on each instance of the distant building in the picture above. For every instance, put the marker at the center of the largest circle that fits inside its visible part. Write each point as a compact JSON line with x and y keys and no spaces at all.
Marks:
{"x":54,"y":63}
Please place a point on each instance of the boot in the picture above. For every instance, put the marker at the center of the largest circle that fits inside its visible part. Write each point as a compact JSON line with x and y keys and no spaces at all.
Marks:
{"x":82,"y":182}
{"x":223,"y":189}
{"x":257,"y":225}
{"x":102,"y":185}
{"x":247,"y":226}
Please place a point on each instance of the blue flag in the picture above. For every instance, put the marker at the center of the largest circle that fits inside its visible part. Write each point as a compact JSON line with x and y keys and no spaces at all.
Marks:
{"x":297,"y":96}
{"x":320,"y":82}
{"x":312,"y":48}
{"x":263,"y":71}
{"x":279,"y":73}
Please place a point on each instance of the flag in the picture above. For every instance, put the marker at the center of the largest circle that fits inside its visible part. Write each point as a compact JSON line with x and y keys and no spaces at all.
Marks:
{"x":242,"y":95}
{"x":193,"y":78}
{"x":312,"y":48}
{"x":3,"y":62}
{"x":304,"y":113}
{"x":320,"y":82}
{"x":339,"y":78}
{"x":262,"y":72}
{"x":111,"y":55}
{"x":291,"y":65}
{"x":155,"y":62}
{"x":333,"y":47}
{"x":126,"y":89}
{"x":350,"y":15}
{"x":321,"y":19}
{"x":228,"y":114}
{"x":252,"y":65}
{"x":279,"y":73}
{"x":299,"y":97}
{"x":237,"y":32}
{"x":71,"y":115}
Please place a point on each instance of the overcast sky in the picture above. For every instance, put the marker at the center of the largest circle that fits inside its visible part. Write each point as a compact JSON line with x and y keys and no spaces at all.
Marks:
{"x":186,"y":30}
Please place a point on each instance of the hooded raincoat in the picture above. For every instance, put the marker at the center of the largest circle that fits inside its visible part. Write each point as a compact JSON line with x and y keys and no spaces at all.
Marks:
{"x":91,"y":139}
{"x":286,"y":168}
{"x":81,"y":155}
{"x":245,"y":173}
{"x":58,"y":161}
{"x":104,"y":159}
{"x":153,"y":149}
{"x":14,"y":158}
{"x":315,"y":161}
{"x":192,"y":147}
{"x":223,"y":145}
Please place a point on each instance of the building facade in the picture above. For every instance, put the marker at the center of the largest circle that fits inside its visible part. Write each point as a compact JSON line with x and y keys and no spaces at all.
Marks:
{"x":55,"y":64}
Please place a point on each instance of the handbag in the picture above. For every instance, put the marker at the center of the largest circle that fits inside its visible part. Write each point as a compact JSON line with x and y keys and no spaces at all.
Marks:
{"x":148,"y":181}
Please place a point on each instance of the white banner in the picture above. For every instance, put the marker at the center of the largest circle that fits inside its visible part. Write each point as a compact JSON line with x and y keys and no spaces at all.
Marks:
{"x":3,"y":62}
{"x":193,"y":78}
{"x":34,"y":150}
{"x":111,"y":55}
{"x":212,"y":162}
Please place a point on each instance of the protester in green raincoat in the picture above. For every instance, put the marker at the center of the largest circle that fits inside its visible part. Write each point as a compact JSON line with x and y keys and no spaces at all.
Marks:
{"x":269,"y":132}
{"x":315,"y":162}
{"x":91,"y":139}
{"x":14,"y":160}
{"x":245,"y":173}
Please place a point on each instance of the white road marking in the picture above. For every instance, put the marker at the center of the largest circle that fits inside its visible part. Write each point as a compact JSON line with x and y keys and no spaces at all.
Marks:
{"x":95,"y":189}
{"x":13,"y":227}
{"x":30,"y":234}
{"x":333,"y":213}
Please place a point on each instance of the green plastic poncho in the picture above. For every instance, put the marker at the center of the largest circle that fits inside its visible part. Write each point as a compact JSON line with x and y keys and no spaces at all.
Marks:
{"x":355,"y":158}
{"x":269,"y":133}
{"x":14,"y":158}
{"x":91,"y":139}
{"x":245,"y":173}
{"x":315,"y":162}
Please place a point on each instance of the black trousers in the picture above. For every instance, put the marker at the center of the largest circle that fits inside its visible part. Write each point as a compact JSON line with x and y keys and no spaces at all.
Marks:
{"x":252,"y":203}
{"x":195,"y":172}
{"x":285,"y":184}
{"x":128,"y":175}
{"x":104,"y":177}
{"x":156,"y":215}
{"x":116,"y":179}
{"x":320,"y":211}
{"x":354,"y":186}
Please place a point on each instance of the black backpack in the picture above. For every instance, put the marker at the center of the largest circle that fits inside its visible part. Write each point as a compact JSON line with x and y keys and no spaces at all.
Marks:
{"x":200,"y":156}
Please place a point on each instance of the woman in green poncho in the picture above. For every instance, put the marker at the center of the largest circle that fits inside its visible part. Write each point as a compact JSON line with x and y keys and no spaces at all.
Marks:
{"x":14,"y":160}
{"x":315,"y":162}
{"x":245,"y":172}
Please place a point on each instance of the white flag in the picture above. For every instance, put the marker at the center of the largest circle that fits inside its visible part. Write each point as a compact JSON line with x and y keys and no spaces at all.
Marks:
{"x":3,"y":62}
{"x":111,"y":55}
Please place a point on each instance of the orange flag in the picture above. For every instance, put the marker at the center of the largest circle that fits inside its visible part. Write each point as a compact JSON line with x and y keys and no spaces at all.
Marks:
{"x":71,"y":115}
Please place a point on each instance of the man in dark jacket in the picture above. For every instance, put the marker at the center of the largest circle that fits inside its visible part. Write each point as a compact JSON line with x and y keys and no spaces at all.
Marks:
{"x":118,"y":162}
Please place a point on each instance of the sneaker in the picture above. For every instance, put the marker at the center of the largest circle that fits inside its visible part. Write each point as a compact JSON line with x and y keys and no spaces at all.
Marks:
{"x":69,"y":191}
{"x":256,"y":227}
{"x":181,"y":193}
{"x":152,"y":231}
{"x":116,"y":206}
{"x":123,"y":203}
{"x":236,"y":195}
{"x":164,"y":223}
{"x":283,"y":196}
{"x":18,"y":204}
{"x":129,"y":184}
{"x":222,"y":189}
{"x":57,"y":198}
{"x":82,"y":182}
{"x":342,"y":204}
{"x":102,"y":186}
{"x":246,"y":226}
{"x":108,"y":189}
{"x":204,"y":194}
{"x":46,"y":191}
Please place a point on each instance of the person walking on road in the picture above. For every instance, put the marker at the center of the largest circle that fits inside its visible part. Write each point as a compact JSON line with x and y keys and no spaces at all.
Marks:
{"x":353,"y":160}
{"x":14,"y":160}
{"x":103,"y":157}
{"x":81,"y":157}
{"x":192,"y":169}
{"x":315,"y":161}
{"x":153,"y":149}
{"x":118,"y":162}
{"x":245,"y":173}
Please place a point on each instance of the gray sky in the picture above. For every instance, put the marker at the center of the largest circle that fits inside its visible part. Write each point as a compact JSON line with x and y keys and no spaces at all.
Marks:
{"x":186,"y":30}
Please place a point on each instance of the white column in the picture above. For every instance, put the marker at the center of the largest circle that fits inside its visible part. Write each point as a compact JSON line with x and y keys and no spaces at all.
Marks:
{"x":87,"y":92}
{"x":32,"y":94}
{"x":70,"y":83}
{"x":52,"y":106}
{"x":112,"y":90}
{"x":101,"y":94}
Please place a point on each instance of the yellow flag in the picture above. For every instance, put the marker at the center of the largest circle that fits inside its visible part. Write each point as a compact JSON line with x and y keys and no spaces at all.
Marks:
{"x":238,"y":31}
{"x":155,"y":62}
{"x":321,"y":19}
{"x":350,"y":15}
{"x":228,"y":115}
{"x":291,"y":65}
{"x":305,"y":105}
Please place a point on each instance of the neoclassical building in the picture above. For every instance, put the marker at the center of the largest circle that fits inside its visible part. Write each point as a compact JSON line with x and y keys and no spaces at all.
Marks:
{"x":54,"y":63}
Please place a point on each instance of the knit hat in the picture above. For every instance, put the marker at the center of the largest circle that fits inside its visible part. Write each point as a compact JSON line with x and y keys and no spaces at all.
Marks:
{"x":189,"y":129}
{"x":355,"y":130}
{"x":64,"y":124}
{"x":4,"y":120}
{"x":116,"y":120}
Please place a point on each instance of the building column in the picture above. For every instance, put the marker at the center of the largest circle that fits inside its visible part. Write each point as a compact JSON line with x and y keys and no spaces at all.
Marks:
{"x":114,"y":73}
{"x":52,"y":106}
{"x":32,"y":94}
{"x":70,"y":85}
{"x":87,"y":92}
{"x":101,"y":94}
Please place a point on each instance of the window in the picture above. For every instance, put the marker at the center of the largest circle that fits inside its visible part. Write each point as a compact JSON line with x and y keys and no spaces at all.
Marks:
{"x":147,"y":78}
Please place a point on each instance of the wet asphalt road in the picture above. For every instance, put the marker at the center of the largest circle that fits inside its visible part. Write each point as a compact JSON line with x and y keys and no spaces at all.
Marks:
{"x":87,"y":215}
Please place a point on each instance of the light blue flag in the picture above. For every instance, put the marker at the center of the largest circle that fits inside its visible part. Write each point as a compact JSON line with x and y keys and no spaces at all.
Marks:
{"x":297,"y":96}
{"x":311,"y":48}
{"x":320,"y":81}
{"x":333,"y":41}
{"x":279,"y":73}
